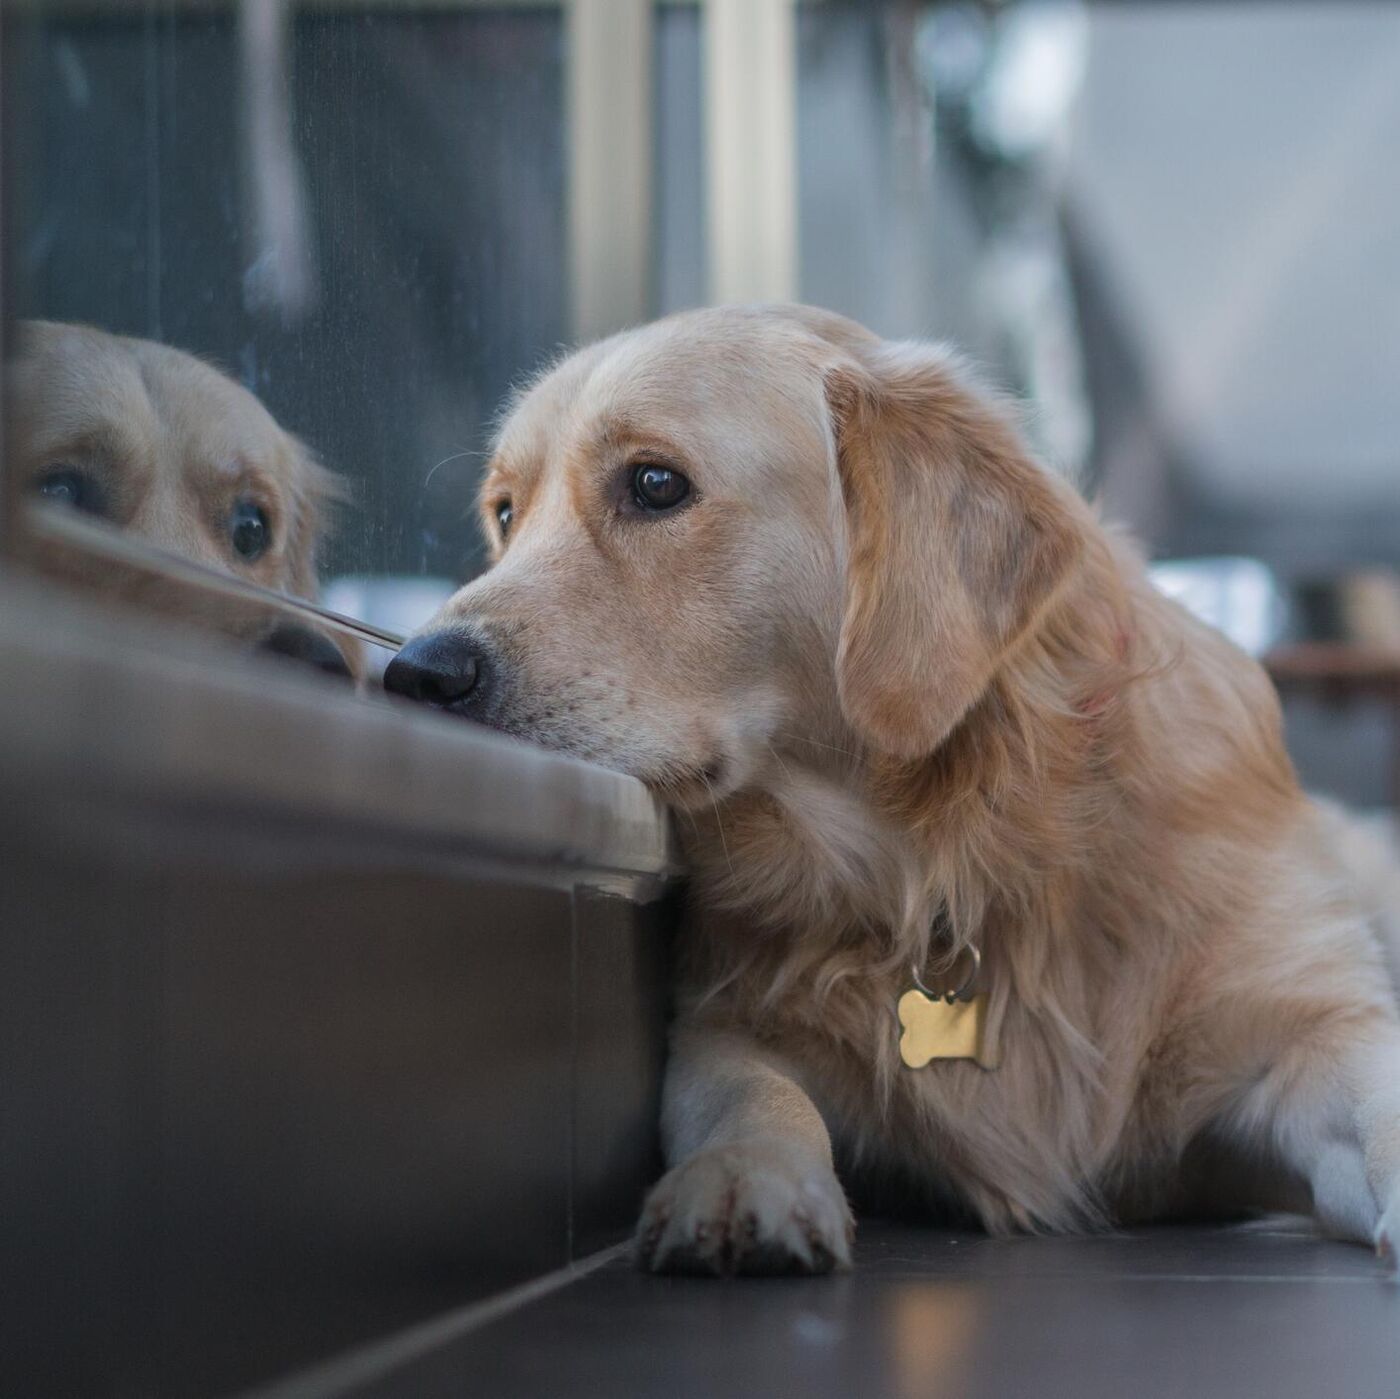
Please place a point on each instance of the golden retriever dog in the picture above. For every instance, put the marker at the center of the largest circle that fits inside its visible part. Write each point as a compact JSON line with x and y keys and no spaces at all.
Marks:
{"x":161,"y":444}
{"x":919,"y":711}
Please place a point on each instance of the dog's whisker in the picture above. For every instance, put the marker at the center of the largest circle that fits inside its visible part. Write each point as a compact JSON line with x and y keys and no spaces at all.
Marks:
{"x":456,"y":456}
{"x":777,"y":757}
{"x":719,"y":827}
{"x":815,"y":743}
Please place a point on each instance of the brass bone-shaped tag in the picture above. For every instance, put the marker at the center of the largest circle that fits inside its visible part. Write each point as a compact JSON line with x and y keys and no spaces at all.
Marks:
{"x":940,"y":1029}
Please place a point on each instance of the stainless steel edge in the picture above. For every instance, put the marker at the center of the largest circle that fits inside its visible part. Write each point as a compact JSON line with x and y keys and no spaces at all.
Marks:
{"x":124,"y":702}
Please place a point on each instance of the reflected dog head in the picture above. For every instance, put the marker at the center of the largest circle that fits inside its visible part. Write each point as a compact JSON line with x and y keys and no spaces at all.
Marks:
{"x":736,"y":527}
{"x":155,"y":441}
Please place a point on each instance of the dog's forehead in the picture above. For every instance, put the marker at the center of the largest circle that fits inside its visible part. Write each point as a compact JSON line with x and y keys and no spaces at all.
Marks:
{"x":698,"y":382}
{"x":74,"y":374}
{"x":137,"y":398}
{"x":212,"y":424}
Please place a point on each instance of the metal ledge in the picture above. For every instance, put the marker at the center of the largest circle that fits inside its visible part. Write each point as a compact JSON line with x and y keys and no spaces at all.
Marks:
{"x":123,"y":702}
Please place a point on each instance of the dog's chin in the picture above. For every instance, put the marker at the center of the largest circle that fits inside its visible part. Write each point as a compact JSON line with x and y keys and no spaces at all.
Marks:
{"x":692,"y":786}
{"x":684,"y":784}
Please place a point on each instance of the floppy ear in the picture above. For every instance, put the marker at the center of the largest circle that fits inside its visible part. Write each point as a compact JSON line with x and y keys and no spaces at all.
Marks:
{"x":957,"y":544}
{"x":314,"y":490}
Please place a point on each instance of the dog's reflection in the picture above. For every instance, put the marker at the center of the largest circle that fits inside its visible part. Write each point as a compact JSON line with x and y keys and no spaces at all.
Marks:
{"x":163,"y":445}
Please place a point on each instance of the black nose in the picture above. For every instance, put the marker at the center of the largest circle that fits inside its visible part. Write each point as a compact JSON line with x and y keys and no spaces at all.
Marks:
{"x":452,"y":670}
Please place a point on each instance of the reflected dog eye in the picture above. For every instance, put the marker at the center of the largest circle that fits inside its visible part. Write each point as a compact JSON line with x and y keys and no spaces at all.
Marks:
{"x":248,"y":531}
{"x":71,"y":486}
{"x":504,"y":515}
{"x":658,"y":488}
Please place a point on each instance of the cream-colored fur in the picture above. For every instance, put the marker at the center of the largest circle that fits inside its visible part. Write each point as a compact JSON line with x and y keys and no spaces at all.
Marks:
{"x":907,"y":694}
{"x":173,"y":445}
{"x":1367,"y":848}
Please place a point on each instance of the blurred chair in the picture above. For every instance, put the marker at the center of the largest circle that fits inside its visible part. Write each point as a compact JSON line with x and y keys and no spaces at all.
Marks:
{"x":1240,"y":597}
{"x":1349,"y":650}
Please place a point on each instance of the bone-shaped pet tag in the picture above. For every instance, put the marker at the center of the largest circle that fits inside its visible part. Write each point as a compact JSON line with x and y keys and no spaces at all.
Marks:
{"x":935,"y":1028}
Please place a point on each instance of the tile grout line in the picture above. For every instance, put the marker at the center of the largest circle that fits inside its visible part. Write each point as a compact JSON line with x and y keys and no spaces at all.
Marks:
{"x":348,"y":1371}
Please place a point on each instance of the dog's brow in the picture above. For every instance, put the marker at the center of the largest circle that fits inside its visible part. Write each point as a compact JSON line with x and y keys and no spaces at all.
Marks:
{"x":245,"y":471}
{"x":100,"y":441}
{"x":496,"y":475}
{"x":626,"y":438}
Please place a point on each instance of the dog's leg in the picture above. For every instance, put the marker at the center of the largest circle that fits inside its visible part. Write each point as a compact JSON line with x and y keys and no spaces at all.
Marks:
{"x":1332,"y":1108}
{"x":751,"y":1187}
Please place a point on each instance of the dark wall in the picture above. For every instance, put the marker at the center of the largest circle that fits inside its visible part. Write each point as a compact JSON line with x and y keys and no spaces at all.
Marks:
{"x":273,"y":1089}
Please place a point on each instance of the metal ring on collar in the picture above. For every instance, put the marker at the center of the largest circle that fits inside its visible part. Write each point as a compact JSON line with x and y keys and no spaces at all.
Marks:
{"x":962,"y":992}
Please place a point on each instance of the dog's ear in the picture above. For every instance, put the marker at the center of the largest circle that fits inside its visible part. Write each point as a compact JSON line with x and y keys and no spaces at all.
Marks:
{"x":957,"y":544}
{"x":314,"y":490}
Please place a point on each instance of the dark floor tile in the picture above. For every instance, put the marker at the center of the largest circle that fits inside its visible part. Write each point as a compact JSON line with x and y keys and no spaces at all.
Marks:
{"x":1156,"y":1314}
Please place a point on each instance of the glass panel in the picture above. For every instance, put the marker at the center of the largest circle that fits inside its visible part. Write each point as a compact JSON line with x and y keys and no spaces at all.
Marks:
{"x":355,"y":214}
{"x":375,"y":218}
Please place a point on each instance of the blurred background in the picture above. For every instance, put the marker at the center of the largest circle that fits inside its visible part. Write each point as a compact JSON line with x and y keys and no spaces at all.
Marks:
{"x":1171,"y":229}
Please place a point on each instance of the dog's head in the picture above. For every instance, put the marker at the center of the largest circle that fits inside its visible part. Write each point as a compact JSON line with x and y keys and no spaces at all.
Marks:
{"x":737,"y":530}
{"x":159,"y":443}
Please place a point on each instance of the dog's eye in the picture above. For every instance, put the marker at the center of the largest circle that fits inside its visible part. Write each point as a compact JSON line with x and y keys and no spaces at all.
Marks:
{"x":504,"y":515}
{"x":658,"y":487}
{"x":67,"y":485}
{"x":249,"y":531}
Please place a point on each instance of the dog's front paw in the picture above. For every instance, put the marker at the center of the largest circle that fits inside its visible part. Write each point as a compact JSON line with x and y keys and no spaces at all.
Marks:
{"x":754,"y":1207}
